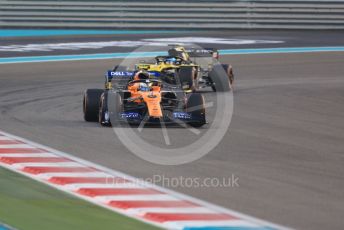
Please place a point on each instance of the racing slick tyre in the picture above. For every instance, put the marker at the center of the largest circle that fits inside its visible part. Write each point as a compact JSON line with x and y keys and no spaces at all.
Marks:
{"x":114,"y":107}
{"x":196,"y":106}
{"x":229,"y":71}
{"x":187,"y":75}
{"x":104,"y":116}
{"x":91,"y":104}
{"x":219,"y":78}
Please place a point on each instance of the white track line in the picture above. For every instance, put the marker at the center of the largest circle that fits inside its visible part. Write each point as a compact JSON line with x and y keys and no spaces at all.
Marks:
{"x":27,"y":155}
{"x":231,"y":223}
{"x":17,"y":146}
{"x":44,"y":164}
{"x":118,"y":185}
{"x":159,"y":197}
{"x":142,"y":211}
{"x":6,"y":138}
{"x":77,"y":174}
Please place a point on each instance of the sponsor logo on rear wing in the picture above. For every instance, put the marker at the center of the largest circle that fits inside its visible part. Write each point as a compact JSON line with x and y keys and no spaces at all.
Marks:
{"x":126,"y":75}
{"x":118,"y":75}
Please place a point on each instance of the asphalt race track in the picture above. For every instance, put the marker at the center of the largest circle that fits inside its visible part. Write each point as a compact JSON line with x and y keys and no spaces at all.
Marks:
{"x":285,"y":142}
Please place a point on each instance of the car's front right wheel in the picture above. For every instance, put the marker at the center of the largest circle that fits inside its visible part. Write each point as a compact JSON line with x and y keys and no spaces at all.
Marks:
{"x":104,"y":116}
{"x":196,"y":106}
{"x":91,"y":104}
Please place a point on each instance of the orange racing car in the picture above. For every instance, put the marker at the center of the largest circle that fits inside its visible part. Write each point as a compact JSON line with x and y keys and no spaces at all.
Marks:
{"x":143,"y":96}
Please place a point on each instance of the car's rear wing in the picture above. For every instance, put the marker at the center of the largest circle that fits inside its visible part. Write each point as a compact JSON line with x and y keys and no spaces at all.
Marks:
{"x":178,"y":50}
{"x":126,"y":75}
{"x":118,"y":75}
{"x":204,"y":52}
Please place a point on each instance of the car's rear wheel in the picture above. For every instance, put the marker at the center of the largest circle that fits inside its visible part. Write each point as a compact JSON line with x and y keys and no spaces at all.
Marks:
{"x":196,"y":106}
{"x":91,"y":104}
{"x":187,"y":77}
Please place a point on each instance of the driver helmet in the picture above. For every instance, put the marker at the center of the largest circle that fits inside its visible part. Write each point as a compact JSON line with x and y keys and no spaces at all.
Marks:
{"x":170,"y":61}
{"x":143,"y":87}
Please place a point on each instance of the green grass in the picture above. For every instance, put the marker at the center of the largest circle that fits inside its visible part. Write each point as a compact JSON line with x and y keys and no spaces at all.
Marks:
{"x":29,"y":205}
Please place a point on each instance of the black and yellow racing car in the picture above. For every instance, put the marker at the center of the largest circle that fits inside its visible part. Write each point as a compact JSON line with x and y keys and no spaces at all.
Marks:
{"x":198,"y":68}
